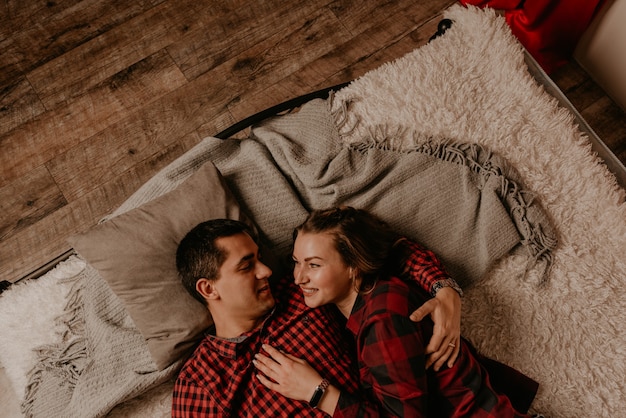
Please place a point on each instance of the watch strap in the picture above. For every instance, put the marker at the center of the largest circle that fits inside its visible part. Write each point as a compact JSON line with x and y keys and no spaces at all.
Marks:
{"x":318,"y":393}
{"x":449,"y":282}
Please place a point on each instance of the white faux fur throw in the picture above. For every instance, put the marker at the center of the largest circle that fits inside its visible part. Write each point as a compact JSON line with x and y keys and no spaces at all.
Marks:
{"x":471,"y":85}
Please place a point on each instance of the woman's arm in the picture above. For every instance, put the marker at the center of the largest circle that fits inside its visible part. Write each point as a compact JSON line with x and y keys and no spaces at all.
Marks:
{"x":423,"y":267}
{"x":294,"y":378}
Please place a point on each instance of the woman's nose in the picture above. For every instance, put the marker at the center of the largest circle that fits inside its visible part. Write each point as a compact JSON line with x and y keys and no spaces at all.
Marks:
{"x":298,"y":276}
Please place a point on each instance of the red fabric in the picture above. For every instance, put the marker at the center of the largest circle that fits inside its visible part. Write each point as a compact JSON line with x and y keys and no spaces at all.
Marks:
{"x":548,"y":29}
{"x":391,"y":355}
{"x":219,"y":378}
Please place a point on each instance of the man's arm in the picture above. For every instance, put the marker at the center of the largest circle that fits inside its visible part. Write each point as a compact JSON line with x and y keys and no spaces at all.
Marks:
{"x":187,"y":398}
{"x":422,"y":266}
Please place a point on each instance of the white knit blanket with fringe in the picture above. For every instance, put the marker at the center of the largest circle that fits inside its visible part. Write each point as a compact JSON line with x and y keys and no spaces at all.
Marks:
{"x":101,"y":360}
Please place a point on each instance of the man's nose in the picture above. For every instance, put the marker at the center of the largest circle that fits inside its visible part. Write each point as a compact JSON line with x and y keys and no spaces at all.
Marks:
{"x":263,"y":271}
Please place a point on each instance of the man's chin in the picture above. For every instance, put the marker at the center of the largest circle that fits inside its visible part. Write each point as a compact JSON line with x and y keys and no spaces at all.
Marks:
{"x":270,"y":303}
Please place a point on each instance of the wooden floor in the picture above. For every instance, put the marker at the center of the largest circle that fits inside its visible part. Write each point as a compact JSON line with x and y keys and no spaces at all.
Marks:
{"x":97,"y":96}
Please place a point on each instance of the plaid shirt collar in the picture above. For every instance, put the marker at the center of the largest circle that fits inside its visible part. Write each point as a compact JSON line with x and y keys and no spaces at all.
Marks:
{"x":356,"y":316}
{"x":231,"y":347}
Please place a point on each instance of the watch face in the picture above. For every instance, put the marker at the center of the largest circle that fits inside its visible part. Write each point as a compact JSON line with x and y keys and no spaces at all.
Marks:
{"x":317,"y":396}
{"x":319,"y":392}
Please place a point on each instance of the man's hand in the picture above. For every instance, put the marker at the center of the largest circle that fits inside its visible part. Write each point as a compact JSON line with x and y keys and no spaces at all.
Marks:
{"x":445,"y":311}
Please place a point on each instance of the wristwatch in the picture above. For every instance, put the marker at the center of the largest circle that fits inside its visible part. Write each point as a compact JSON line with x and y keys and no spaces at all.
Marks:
{"x":319,"y":392}
{"x":449,"y":282}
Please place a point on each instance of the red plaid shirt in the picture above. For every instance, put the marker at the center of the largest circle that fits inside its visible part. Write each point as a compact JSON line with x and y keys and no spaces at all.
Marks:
{"x":390,"y":350}
{"x":219,"y":379}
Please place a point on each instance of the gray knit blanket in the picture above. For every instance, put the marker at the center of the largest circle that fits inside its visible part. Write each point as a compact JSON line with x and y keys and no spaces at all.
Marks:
{"x":459,"y":200}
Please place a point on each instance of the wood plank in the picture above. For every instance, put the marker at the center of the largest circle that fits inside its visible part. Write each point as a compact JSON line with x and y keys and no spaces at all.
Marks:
{"x":236,"y":31}
{"x":47,"y":238}
{"x":89,"y":64}
{"x":17,"y":13}
{"x":344,"y":63}
{"x":351,"y":60}
{"x":286,"y":52}
{"x":577,"y":85}
{"x":128,"y":141}
{"x":45,"y":31}
{"x":360,"y":15}
{"x":27,"y":201}
{"x":18,"y":104}
{"x":221,"y":121}
{"x":10,"y":58}
{"x":607,"y":119}
{"x":55,"y":132}
{"x":190,"y":106}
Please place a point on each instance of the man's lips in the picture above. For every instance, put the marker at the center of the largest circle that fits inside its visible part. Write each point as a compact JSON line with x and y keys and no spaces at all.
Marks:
{"x":264,"y":289}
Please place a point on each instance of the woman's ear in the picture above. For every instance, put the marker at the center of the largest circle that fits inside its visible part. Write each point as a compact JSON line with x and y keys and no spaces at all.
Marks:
{"x":207,"y":289}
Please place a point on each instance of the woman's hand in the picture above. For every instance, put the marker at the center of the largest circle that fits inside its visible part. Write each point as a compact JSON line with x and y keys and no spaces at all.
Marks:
{"x":290,"y":376}
{"x":445,"y":311}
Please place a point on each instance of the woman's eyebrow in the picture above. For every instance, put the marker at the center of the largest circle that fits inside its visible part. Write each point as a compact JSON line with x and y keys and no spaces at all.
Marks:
{"x":313,"y":258}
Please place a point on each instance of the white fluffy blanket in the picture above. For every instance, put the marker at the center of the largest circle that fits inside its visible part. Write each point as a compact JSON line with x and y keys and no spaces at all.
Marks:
{"x":471,"y":85}
{"x":569,"y":335}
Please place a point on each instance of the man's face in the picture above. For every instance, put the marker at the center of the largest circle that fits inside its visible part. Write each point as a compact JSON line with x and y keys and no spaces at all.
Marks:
{"x":242,"y":283}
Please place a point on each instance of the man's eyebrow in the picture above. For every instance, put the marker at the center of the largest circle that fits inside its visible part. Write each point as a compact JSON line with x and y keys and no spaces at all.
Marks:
{"x":244,"y":260}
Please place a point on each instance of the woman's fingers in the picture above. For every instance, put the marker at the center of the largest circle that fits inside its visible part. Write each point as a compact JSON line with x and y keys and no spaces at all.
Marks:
{"x":447,"y":353}
{"x":286,"y":374}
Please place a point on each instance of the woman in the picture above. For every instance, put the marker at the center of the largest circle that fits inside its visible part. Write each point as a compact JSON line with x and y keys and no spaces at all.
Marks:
{"x":341,"y":256}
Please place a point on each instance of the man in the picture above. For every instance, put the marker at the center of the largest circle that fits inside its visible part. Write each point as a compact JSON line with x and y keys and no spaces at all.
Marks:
{"x":220,"y":265}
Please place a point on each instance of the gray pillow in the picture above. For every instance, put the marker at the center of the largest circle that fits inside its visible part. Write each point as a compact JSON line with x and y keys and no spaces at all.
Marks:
{"x":135,"y":253}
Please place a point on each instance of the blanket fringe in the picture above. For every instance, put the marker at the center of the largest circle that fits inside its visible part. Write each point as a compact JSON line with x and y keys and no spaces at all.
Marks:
{"x":341,"y":115}
{"x":528,"y":218}
{"x":67,"y":358}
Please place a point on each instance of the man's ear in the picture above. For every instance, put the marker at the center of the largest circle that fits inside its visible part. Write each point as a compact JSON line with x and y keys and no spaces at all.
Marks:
{"x":207,"y":289}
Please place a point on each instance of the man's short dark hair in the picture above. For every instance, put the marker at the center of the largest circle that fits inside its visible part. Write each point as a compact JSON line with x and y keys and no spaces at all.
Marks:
{"x":199,"y":257}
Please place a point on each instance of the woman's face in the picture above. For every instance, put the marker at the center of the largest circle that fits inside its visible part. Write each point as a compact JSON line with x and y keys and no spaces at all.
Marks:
{"x":321,"y":273}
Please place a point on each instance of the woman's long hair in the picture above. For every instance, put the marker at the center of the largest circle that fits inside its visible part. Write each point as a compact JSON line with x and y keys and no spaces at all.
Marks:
{"x":363,"y":241}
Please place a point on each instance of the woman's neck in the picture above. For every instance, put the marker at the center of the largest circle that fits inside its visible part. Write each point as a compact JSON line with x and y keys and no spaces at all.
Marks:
{"x":346,"y":304}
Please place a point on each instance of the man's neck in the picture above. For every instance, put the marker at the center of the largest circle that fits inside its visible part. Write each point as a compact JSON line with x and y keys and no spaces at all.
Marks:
{"x":232,"y":327}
